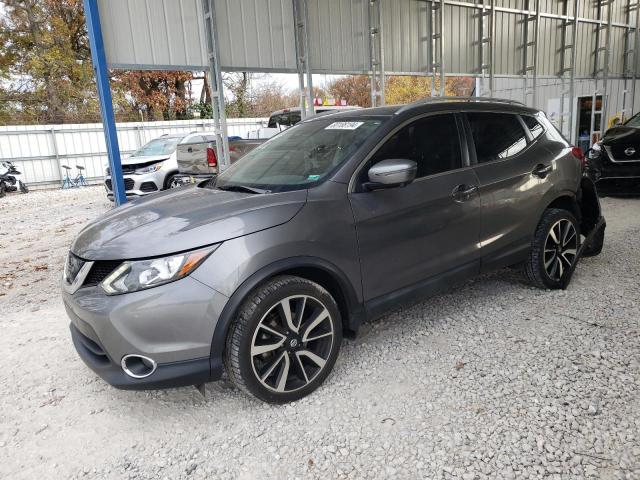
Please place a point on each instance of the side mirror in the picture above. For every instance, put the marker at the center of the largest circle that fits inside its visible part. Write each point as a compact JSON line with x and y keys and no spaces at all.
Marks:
{"x":391,"y":173}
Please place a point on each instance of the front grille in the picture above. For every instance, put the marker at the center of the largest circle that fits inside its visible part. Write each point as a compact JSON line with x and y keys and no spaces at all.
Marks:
{"x":128,"y":184}
{"x":618,"y":153}
{"x":99,"y":271}
{"x":148,"y":187}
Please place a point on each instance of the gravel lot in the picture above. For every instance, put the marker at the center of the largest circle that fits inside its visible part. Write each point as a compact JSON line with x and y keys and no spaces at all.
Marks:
{"x":491,"y":380}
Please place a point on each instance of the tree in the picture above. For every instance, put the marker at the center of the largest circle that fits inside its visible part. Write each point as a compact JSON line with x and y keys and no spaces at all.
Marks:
{"x":44,"y":59}
{"x":161,"y":95}
{"x":355,"y":89}
{"x":46,"y":75}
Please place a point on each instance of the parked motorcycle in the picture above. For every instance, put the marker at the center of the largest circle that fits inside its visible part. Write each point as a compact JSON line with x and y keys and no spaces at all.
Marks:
{"x":9,"y":181}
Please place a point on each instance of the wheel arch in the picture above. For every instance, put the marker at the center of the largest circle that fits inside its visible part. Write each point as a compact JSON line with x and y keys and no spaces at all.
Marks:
{"x":566,"y":201}
{"x":167,"y":177}
{"x":315,"y":269}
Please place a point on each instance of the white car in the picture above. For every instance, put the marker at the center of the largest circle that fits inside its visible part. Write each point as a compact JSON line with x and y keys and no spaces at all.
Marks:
{"x":154,"y":166}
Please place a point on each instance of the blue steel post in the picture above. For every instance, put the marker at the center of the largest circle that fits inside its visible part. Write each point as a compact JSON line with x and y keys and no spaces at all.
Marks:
{"x":106,"y":103}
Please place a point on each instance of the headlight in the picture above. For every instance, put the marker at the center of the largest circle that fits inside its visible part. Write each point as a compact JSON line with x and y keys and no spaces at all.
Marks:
{"x":135,"y":275}
{"x":594,"y":152}
{"x":150,"y":168}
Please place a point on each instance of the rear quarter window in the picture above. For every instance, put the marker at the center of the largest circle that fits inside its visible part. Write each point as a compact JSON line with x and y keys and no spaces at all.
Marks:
{"x":533,"y":125}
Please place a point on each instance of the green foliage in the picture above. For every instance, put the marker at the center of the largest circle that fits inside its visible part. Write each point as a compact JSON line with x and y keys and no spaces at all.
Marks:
{"x":46,"y":75}
{"x":204,"y":109}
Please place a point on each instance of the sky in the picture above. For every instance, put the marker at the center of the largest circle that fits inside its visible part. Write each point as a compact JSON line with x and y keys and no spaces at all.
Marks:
{"x":289,"y":82}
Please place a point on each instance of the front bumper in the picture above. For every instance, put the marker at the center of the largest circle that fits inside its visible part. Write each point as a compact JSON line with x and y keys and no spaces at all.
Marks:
{"x":615,"y":177}
{"x":138,"y":185}
{"x":175,"y":374}
{"x":186,"y":179}
{"x":172,"y":324}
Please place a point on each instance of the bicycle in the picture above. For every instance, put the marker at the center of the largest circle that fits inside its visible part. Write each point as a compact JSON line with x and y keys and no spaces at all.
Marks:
{"x":77,"y":182}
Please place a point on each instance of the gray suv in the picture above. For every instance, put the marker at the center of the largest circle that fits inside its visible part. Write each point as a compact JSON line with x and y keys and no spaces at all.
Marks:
{"x":262,"y":271}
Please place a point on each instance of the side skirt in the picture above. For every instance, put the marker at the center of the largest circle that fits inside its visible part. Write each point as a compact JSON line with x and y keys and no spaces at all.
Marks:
{"x":377,"y":307}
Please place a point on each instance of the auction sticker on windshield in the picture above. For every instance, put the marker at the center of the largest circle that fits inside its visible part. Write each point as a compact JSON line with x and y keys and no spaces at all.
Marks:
{"x":343,"y":126}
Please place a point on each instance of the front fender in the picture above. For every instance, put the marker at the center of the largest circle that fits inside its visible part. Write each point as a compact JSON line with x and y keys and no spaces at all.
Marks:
{"x":355,"y":312}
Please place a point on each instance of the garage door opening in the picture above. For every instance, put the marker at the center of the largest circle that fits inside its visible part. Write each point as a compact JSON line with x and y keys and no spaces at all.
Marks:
{"x":587,"y":137}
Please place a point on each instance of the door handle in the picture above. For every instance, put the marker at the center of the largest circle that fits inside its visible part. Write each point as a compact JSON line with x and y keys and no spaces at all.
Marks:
{"x":462,"y":193}
{"x":541,"y":170}
{"x":190,"y":150}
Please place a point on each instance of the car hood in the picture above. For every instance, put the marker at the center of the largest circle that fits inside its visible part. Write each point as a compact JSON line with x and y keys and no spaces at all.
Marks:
{"x":144,"y":159}
{"x":182,"y":219}
{"x":622,"y":134}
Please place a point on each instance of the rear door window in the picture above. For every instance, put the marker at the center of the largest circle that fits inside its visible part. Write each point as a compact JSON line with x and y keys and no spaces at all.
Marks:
{"x":497,"y":136}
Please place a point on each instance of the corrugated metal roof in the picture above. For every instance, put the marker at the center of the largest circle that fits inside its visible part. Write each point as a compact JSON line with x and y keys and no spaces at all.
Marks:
{"x":258,"y":35}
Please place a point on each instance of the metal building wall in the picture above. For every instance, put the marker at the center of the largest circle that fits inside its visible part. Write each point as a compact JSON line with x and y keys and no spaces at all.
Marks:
{"x":256,"y":35}
{"x":157,"y":34}
{"x":39,"y":151}
{"x":550,"y":89}
{"x":339,"y":36}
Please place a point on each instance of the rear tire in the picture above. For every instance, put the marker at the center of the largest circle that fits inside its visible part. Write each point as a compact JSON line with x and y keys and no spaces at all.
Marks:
{"x":3,"y":189}
{"x":553,"y":249}
{"x":284,"y":341}
{"x":23,"y":188}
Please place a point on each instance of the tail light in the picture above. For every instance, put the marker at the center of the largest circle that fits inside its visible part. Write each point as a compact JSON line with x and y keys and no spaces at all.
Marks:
{"x":579,"y":154}
{"x":212,"y":160}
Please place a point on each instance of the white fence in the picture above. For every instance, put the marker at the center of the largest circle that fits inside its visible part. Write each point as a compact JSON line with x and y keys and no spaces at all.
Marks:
{"x":39,"y":151}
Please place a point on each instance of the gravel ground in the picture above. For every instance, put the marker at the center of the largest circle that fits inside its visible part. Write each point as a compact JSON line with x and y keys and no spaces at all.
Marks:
{"x":491,"y":380}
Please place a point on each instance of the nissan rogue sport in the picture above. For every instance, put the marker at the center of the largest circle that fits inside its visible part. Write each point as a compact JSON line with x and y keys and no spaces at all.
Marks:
{"x":262,"y":271}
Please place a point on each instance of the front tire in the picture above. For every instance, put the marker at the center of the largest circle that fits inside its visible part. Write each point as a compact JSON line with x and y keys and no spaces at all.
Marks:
{"x":171,"y":182}
{"x":3,"y":189}
{"x":553,"y":249}
{"x":284,"y":341}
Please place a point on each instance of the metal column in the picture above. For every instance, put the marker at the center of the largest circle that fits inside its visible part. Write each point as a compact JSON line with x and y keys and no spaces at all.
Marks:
{"x":217,"y":94}
{"x":567,"y":71}
{"x":487,"y":41}
{"x":601,"y":68}
{"x":303,"y":65}
{"x":101,"y":72}
{"x":436,"y":29}
{"x":630,"y":60}
{"x":376,"y":51}
{"x":530,"y":32}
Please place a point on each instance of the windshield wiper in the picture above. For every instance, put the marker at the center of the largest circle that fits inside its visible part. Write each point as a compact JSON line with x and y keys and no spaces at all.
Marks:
{"x":242,"y":188}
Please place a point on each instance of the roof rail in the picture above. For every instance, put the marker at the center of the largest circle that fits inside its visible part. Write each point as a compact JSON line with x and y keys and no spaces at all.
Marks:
{"x":426,"y":101}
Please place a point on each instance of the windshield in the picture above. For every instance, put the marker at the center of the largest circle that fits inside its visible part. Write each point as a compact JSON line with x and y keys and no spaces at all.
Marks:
{"x":634,"y":121}
{"x":301,"y":156}
{"x":159,"y":146}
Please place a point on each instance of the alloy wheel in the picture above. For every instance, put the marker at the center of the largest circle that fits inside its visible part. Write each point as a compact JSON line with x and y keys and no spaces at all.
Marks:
{"x":560,"y":248}
{"x":292,"y":343}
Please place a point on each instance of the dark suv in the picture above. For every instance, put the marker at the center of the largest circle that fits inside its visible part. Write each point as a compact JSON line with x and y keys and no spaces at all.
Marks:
{"x":614,"y":162}
{"x":336,"y":220}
